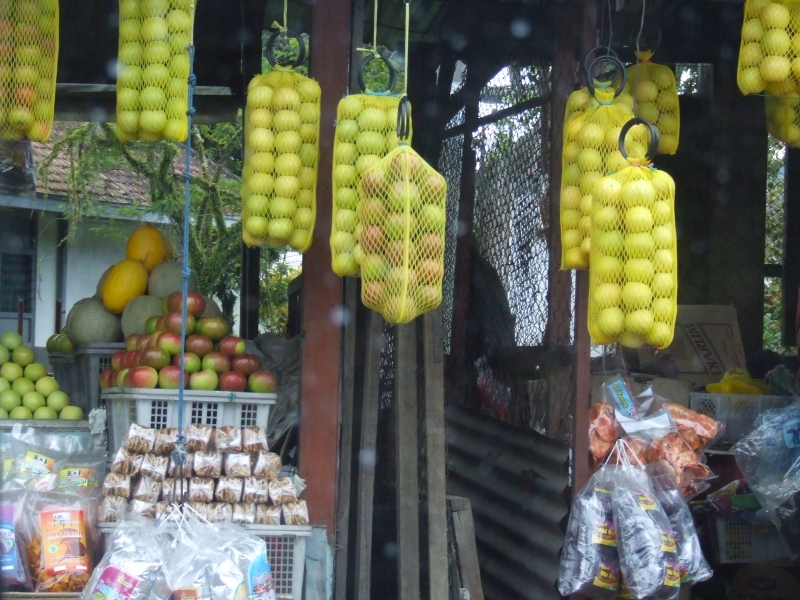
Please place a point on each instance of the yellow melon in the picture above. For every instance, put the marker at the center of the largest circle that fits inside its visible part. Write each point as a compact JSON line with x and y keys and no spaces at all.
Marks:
{"x":149,"y":246}
{"x":125,"y":281}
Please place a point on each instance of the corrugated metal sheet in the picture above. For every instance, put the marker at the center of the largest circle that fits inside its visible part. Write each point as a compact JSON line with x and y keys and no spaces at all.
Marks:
{"x":516,"y":480}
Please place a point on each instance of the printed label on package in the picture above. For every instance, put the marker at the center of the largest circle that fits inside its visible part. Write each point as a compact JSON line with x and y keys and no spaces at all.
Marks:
{"x":8,"y":548}
{"x":185,"y":594}
{"x":645,"y":501}
{"x":38,"y":464}
{"x":260,"y":579}
{"x":604,"y":533}
{"x":80,"y":477}
{"x":672,"y":574}
{"x":114,"y":585}
{"x":607,"y":576}
{"x":64,"y":544}
{"x":622,"y":397}
{"x":668,"y":541}
{"x":791,"y":433}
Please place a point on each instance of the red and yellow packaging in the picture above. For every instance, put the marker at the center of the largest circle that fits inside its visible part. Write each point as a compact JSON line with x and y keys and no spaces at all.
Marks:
{"x":59,"y":553}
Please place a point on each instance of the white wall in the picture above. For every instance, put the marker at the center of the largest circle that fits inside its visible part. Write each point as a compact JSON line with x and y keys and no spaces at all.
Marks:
{"x":46,"y":278}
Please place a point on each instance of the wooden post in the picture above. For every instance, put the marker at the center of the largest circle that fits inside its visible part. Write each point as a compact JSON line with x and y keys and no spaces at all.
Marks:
{"x":583,"y":391}
{"x":322,"y":308}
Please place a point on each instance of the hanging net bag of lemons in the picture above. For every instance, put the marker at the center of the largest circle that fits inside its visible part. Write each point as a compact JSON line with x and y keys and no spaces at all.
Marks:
{"x":153,"y":69}
{"x":401,"y":205}
{"x":281,"y":145}
{"x":783,"y":118}
{"x":28,"y":61}
{"x":591,"y":151}
{"x":582,"y":100}
{"x":633,"y":286}
{"x":769,"y":55}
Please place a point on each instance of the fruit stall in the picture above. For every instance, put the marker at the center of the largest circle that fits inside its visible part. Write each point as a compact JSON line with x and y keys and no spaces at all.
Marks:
{"x":537,"y":247}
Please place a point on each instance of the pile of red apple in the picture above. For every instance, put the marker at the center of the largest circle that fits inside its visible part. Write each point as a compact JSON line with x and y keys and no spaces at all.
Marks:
{"x":213,"y":359}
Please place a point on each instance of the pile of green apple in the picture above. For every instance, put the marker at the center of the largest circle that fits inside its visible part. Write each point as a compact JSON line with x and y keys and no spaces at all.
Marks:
{"x":28,"y":55}
{"x":153,"y":69}
{"x":26,"y":390}
{"x":366,"y":131}
{"x":213,"y":359}
{"x":279,"y":174}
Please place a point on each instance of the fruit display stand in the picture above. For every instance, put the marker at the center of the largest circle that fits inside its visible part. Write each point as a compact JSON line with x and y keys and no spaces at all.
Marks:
{"x":49,"y":426}
{"x":158,"y":408}
{"x":79,"y":373}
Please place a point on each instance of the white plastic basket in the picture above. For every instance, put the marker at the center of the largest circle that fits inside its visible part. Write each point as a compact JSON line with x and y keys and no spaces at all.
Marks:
{"x":159,"y":409}
{"x":737,"y":411}
{"x":286,"y":551}
{"x":736,"y":541}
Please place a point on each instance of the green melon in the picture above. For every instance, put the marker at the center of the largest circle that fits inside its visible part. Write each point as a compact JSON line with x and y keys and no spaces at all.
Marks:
{"x":212,"y":308}
{"x":89,"y":322}
{"x":166,"y":278}
{"x":136,"y":313}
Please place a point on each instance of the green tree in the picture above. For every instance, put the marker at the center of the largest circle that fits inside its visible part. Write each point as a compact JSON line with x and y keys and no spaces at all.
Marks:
{"x":273,"y":309}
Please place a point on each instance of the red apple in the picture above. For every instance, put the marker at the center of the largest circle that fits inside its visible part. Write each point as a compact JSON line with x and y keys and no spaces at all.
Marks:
{"x":431,"y":244}
{"x":372,"y":238}
{"x":406,"y":160}
{"x":434,"y":188}
{"x":153,"y":341}
{"x":117,"y":358}
{"x":214,"y":328}
{"x":374,"y":182}
{"x":143,"y":341}
{"x":107,"y":378}
{"x":206,"y":380}
{"x":134,"y":359}
{"x":199,"y":345}
{"x":131,"y":342}
{"x":371,"y":211}
{"x":395,"y":252}
{"x":262,"y":382}
{"x":25,"y":95}
{"x":191,"y":362}
{"x":430,"y":270}
{"x":232,"y":381}
{"x":143,"y":377}
{"x":6,"y":27}
{"x":150,"y":325}
{"x":122,"y":378}
{"x":160,"y":323}
{"x":217,"y":361}
{"x":373,"y":292}
{"x":171,"y":342}
{"x":232,"y":345}
{"x":398,"y":276}
{"x":157,"y":358}
{"x":195,"y":304}
{"x":173,"y":323}
{"x":169,"y":378}
{"x":247,"y":364}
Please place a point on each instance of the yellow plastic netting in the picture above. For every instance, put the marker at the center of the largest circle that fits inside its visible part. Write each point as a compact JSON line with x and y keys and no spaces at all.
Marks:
{"x":579,"y":101}
{"x":591,"y":149}
{"x":28,"y":64}
{"x":153,"y":69}
{"x":633,"y":285}
{"x":279,"y":176}
{"x":783,"y":118}
{"x":366,"y":131}
{"x":769,"y":55}
{"x":402,"y":213}
{"x":655,"y":92}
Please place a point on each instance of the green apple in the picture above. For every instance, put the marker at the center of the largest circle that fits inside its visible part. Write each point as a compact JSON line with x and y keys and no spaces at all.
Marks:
{"x":35,"y":371}
{"x":33,"y":400}
{"x":9,"y":400}
{"x":57,"y":400}
{"x":45,"y":413}
{"x":4,"y":385}
{"x":5,"y":355}
{"x":71,"y":413}
{"x":11,"y":339}
{"x":46,"y":386}
{"x":22,"y":386}
{"x":23,"y":356}
{"x":11,"y":372}
{"x":21,"y":413}
{"x":3,"y":414}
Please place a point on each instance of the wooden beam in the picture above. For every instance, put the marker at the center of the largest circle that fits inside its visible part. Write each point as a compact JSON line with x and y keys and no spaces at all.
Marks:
{"x":583,"y":388}
{"x":319,"y":414}
{"x":791,"y":247}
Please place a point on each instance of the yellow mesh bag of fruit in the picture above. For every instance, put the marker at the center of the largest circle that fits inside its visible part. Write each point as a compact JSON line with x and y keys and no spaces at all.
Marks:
{"x":783,"y":118}
{"x":590,"y":151}
{"x":402,"y":213}
{"x":769,"y":55}
{"x":633,"y":272}
{"x":655,"y":94}
{"x":153,"y":69}
{"x":582,"y":100}
{"x":281,"y":145}
{"x":28,"y":64}
{"x":366,"y":131}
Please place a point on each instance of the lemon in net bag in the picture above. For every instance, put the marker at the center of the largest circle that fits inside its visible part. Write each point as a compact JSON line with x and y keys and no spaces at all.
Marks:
{"x":783,"y":118}
{"x":402,"y":213}
{"x":655,"y":93}
{"x":633,"y":287}
{"x":28,"y":63}
{"x":279,"y":173}
{"x":153,"y":69}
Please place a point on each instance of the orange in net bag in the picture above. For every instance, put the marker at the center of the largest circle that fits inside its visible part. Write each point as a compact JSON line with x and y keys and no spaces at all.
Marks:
{"x":633,"y":273}
{"x":28,"y":64}
{"x":783,"y":118}
{"x":655,"y":94}
{"x":590,"y":151}
{"x":153,"y":69}
{"x":769,"y":55}
{"x":402,"y":213}
{"x":366,"y":131}
{"x":281,"y":156}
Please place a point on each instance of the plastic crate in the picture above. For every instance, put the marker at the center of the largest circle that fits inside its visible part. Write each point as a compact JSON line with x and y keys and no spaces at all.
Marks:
{"x":159,"y":409}
{"x":286,"y":551}
{"x":65,"y":372}
{"x":78,"y":374}
{"x":736,"y":541}
{"x":737,"y":411}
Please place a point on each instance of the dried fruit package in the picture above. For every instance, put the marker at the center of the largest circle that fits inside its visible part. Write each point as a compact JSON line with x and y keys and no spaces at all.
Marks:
{"x":589,"y":561}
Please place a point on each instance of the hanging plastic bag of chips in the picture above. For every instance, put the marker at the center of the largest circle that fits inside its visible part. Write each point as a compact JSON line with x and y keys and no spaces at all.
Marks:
{"x":281,"y":144}
{"x":591,"y":150}
{"x":633,"y":287}
{"x":655,"y":94}
{"x":153,"y":69}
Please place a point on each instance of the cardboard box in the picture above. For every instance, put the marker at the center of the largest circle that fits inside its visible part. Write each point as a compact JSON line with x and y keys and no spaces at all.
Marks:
{"x":673,"y":390}
{"x":707,"y":343}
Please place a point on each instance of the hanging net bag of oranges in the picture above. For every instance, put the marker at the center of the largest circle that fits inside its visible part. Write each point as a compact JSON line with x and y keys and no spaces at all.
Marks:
{"x":769,"y":55}
{"x":633,"y":285}
{"x":281,"y":145}
{"x":591,"y":151}
{"x":28,"y":63}
{"x":401,"y":205}
{"x":366,"y":131}
{"x":783,"y":118}
{"x":153,"y":69}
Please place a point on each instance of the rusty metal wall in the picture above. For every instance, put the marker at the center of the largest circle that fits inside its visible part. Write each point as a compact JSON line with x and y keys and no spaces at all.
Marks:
{"x":516,"y":480}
